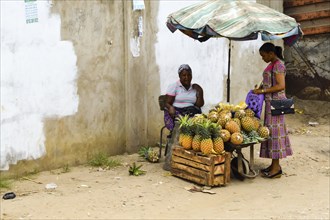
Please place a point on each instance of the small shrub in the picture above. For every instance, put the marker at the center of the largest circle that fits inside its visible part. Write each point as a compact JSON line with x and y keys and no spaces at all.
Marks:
{"x":66,"y":168}
{"x":4,"y":184}
{"x":102,"y":160}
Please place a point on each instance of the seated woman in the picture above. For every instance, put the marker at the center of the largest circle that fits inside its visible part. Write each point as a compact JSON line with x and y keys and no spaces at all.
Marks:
{"x":182,"y":97}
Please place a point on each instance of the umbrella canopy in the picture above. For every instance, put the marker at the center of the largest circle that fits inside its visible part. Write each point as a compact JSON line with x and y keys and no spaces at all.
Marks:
{"x":235,"y":20}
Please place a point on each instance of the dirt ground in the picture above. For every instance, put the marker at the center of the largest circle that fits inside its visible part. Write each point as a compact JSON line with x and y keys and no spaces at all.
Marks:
{"x":90,"y":193}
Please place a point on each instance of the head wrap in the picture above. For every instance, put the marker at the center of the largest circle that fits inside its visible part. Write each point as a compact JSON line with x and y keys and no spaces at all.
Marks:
{"x":184,"y":67}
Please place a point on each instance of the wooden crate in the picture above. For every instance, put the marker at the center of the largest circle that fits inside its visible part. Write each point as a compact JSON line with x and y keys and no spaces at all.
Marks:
{"x":211,"y":170}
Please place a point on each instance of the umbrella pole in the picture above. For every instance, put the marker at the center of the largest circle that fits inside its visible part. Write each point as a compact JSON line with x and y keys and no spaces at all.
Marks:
{"x":228,"y":77}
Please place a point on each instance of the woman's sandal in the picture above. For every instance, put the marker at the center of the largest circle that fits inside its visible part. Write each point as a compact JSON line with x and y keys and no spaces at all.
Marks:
{"x":275,"y":175}
{"x":266,"y":170}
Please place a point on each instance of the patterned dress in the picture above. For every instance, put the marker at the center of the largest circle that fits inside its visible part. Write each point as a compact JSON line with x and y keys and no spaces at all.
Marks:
{"x":278,"y":145}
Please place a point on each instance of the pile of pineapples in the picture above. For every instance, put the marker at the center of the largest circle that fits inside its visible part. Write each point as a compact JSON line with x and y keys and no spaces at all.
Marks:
{"x":224,"y":123}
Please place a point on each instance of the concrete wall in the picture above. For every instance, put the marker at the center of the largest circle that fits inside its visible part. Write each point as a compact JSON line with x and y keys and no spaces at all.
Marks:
{"x":309,"y":68}
{"x":208,"y":60}
{"x":38,"y":80}
{"x":308,"y":63}
{"x":102,"y":81}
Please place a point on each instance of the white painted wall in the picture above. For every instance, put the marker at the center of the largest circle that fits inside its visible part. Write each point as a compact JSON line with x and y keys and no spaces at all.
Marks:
{"x":208,"y":60}
{"x":38,"y":80}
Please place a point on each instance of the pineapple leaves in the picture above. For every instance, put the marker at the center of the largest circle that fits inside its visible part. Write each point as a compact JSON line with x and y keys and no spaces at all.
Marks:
{"x":135,"y":170}
{"x":149,"y":154}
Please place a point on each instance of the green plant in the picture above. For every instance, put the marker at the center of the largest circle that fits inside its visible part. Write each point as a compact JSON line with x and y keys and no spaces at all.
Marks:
{"x":149,"y":154}
{"x":143,"y":151}
{"x":113,"y":163}
{"x":135,"y":170}
{"x":4,"y":184}
{"x":66,"y":168}
{"x":102,"y":160}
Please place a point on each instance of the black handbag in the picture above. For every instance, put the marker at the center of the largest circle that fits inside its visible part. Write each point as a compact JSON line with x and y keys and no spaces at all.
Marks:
{"x":281,"y":107}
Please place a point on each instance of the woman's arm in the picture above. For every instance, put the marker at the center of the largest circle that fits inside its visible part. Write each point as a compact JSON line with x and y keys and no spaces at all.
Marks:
{"x":169,"y":105}
{"x":199,"y":95}
{"x":279,"y":86}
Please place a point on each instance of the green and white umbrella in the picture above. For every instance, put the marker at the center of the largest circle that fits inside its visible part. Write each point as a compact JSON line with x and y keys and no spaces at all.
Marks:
{"x":235,"y":20}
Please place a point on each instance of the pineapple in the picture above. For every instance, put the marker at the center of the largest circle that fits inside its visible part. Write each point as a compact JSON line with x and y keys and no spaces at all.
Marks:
{"x":218,"y":144}
{"x":238,"y":121}
{"x":236,"y":138}
{"x":263,"y":132}
{"x":240,"y":106}
{"x":213,"y":116}
{"x":256,"y":123}
{"x":153,"y":156}
{"x":223,"y":119}
{"x":225,"y":113}
{"x":186,"y":134}
{"x":249,"y":112}
{"x":196,"y":142}
{"x":206,"y":141}
{"x":232,"y":127}
{"x":198,"y":118}
{"x":247,"y":123}
{"x":239,"y":114}
{"x":225,"y":135}
{"x":149,"y":154}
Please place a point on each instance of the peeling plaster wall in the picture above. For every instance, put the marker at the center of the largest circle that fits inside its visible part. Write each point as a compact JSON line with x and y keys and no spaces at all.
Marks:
{"x":116,"y":90}
{"x":38,"y":80}
{"x":107,"y":80}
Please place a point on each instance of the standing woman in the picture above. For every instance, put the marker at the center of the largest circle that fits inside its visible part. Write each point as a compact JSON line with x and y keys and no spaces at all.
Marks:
{"x":278,"y":145}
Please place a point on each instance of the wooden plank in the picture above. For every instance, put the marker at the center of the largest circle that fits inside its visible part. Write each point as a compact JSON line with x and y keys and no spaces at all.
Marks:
{"x":218,"y":159}
{"x":316,"y":30}
{"x":219,"y":181}
{"x":197,"y":156}
{"x":307,"y":8}
{"x":219,"y":169}
{"x":188,"y":165}
{"x":211,"y":177}
{"x":322,"y":22}
{"x":295,"y":3}
{"x":311,"y":15}
{"x":188,"y":176}
{"x":227,"y":167}
{"x":191,"y":163}
{"x":194,"y":171}
{"x":179,"y":151}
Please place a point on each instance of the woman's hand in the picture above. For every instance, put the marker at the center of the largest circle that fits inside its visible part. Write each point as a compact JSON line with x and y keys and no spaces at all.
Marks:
{"x":169,"y":105}
{"x":258,"y":91}
{"x":171,"y":111}
{"x":199,"y":95}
